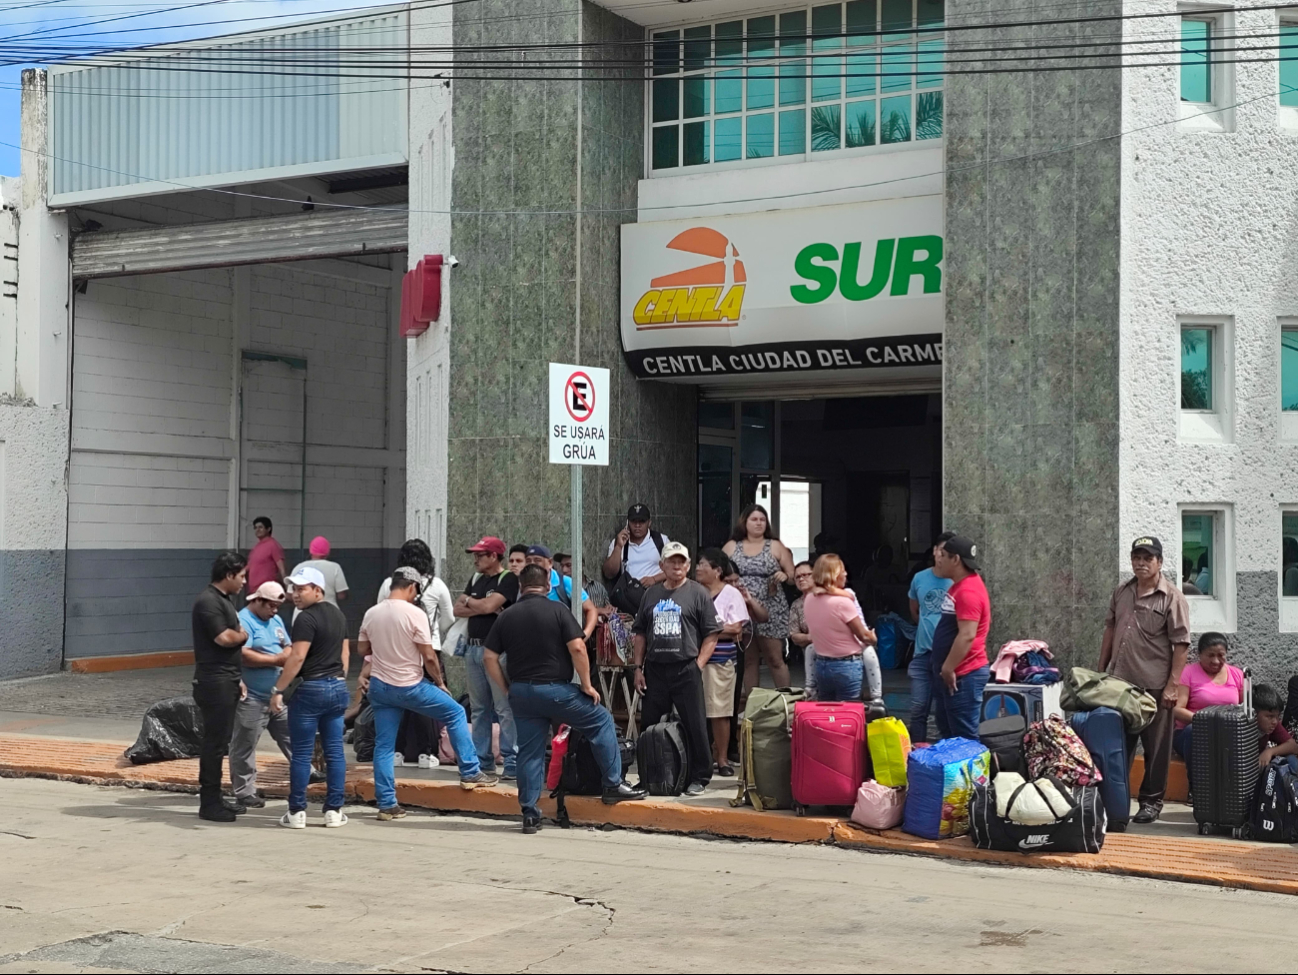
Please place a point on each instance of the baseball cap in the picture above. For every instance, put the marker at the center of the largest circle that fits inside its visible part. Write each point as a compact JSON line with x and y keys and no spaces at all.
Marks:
{"x":638,"y":512}
{"x":1148,"y":543}
{"x":272,"y":592}
{"x":307,"y":576}
{"x":675,"y":548}
{"x":319,"y":546}
{"x":488,"y":543}
{"x":965,"y":548}
{"x":540,"y":550}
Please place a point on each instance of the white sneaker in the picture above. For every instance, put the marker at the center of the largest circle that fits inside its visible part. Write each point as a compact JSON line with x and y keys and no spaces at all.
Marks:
{"x":293,"y":820}
{"x":333,"y":818}
{"x":398,"y":761}
{"x":428,"y":761}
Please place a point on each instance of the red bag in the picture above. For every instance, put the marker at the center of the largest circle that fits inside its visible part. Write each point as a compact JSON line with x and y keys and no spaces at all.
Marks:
{"x":558,"y":749}
{"x":828,"y":752}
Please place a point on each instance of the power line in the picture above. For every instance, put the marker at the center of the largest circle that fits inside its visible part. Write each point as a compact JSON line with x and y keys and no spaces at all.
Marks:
{"x":972,"y":167}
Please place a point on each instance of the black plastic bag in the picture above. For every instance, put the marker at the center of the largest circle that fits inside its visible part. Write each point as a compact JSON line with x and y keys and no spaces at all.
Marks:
{"x":171,"y":729}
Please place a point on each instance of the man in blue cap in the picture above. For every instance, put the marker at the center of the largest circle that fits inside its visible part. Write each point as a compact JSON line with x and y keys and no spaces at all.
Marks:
{"x":561,"y":587}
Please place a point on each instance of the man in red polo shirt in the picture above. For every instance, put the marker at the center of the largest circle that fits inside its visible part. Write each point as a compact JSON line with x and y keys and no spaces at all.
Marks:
{"x":960,"y":668}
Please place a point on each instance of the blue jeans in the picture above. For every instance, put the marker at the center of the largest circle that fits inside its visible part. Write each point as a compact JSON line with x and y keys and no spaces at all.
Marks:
{"x":838,"y":678}
{"x":921,"y":697}
{"x":959,"y":712}
{"x":317,"y":706}
{"x":389,"y":704}
{"x":535,"y":707}
{"x":489,"y":703}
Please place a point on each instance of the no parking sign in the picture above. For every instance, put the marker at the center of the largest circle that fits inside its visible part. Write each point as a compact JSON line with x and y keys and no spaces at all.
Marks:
{"x":578,"y":415}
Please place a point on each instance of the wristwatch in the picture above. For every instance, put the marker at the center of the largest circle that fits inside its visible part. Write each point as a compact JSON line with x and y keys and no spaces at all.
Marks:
{"x":275,"y":691}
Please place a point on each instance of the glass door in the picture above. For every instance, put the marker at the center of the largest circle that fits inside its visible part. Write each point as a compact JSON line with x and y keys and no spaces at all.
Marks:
{"x":739,"y":464}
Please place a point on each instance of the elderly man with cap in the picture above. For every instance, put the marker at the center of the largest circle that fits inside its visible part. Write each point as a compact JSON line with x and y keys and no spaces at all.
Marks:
{"x":634,"y":559}
{"x":561,"y":588}
{"x":490,"y":590}
{"x":1146,"y":641}
{"x":261,"y":657}
{"x":959,"y":654}
{"x":675,"y":633}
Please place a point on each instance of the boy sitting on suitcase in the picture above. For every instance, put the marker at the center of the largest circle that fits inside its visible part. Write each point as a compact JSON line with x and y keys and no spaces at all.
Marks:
{"x":1275,"y":742}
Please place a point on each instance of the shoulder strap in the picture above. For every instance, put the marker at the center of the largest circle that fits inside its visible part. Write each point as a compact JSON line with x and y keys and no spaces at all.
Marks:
{"x":657,"y":536}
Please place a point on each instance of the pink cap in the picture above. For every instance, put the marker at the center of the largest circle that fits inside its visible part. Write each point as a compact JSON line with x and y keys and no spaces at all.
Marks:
{"x":319,"y":546}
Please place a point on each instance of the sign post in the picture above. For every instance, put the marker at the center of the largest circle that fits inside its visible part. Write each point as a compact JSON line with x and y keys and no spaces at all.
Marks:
{"x":579,"y":437}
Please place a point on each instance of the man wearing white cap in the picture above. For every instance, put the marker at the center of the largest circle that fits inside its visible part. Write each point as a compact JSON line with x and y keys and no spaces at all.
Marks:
{"x":267,"y":640}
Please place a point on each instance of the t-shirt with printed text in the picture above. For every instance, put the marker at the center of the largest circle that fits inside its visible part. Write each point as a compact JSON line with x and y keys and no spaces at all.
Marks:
{"x":674,"y":622}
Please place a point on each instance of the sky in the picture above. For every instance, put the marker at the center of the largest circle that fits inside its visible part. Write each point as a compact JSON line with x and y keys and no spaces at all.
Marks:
{"x":47,"y":25}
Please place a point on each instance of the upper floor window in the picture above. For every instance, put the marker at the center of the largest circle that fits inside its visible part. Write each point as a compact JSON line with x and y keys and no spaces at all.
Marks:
{"x":1288,"y":56}
{"x":815,"y":79}
{"x":1196,"y":59}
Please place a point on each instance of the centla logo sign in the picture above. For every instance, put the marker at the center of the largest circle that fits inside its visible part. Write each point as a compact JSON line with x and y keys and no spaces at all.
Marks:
{"x":709,"y":294}
{"x":578,"y":415}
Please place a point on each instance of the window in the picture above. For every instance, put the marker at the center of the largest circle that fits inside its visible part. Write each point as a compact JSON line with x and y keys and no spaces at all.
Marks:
{"x":816,"y":79}
{"x":1197,"y":551}
{"x":1289,"y":368}
{"x":1196,"y":367}
{"x":1196,"y":60}
{"x":1287,"y":53}
{"x":1289,"y":554}
{"x":1207,"y":567}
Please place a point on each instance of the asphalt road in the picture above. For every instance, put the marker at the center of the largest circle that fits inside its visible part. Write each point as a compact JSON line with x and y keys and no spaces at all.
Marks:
{"x":111,"y":879}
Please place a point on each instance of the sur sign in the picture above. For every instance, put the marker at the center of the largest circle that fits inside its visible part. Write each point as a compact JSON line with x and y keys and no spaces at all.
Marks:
{"x":853,"y":286}
{"x":578,"y":415}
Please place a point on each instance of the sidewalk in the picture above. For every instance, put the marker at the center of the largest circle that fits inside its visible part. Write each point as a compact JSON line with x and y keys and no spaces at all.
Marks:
{"x":1226,"y":863}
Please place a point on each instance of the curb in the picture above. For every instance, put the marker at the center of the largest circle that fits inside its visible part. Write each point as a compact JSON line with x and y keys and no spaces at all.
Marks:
{"x":1267,"y":867}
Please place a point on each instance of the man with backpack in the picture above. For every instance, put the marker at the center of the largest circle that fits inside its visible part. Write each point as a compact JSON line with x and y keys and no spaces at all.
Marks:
{"x":634,"y":557}
{"x":676,"y":631}
{"x":492,"y":589}
{"x":546,"y":648}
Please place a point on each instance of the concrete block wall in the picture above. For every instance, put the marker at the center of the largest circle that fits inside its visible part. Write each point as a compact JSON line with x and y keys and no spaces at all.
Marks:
{"x":162,"y":456}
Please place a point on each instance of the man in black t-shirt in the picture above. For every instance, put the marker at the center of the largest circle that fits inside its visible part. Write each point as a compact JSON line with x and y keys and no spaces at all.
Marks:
{"x":218,"y":638}
{"x":545,"y":646}
{"x":492,"y":588}
{"x":313,"y":678}
{"x":675,"y":632}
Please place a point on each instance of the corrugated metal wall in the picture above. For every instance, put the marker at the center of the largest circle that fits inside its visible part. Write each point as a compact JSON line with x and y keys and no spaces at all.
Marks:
{"x":325,"y":98}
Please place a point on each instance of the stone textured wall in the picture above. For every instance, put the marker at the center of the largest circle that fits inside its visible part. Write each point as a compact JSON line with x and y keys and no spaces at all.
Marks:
{"x":514,"y":296}
{"x":1031,"y":355}
{"x":33,"y":535}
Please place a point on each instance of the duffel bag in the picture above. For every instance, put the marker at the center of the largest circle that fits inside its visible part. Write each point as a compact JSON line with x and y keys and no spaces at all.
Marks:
{"x":1275,"y":811}
{"x":766,"y":749}
{"x":1086,"y":690}
{"x":1080,"y":831}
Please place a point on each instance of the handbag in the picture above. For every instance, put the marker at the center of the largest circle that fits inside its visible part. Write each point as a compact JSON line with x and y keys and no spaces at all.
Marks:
{"x":457,"y":637}
{"x":627,"y":592}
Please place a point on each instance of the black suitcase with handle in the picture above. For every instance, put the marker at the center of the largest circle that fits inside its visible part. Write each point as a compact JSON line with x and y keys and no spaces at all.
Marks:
{"x":1223,"y":765}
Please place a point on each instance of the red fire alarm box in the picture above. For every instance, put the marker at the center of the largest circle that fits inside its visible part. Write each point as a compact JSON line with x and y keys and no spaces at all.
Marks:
{"x":421,"y":295}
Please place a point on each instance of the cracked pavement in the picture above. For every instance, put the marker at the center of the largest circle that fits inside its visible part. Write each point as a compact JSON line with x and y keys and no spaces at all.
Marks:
{"x":111,"y":880}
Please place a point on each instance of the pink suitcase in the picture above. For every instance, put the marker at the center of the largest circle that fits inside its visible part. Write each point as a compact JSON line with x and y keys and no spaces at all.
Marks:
{"x":828,"y":753}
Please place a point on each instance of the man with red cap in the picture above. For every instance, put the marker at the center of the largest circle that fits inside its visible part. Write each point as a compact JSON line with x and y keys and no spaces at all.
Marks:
{"x":492,"y":588}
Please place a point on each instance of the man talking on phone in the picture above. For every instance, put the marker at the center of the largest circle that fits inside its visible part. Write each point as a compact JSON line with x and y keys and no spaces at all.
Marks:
{"x":634,"y":557}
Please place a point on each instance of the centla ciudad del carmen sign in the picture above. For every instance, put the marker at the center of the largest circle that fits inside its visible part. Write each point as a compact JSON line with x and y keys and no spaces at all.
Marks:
{"x":856,"y":286}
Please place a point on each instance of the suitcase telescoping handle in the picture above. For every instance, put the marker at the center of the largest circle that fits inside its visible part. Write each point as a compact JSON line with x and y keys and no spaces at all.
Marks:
{"x":1248,"y":693}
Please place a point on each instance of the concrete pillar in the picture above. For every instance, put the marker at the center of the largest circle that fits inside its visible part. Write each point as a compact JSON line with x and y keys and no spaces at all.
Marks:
{"x":41,"y":355}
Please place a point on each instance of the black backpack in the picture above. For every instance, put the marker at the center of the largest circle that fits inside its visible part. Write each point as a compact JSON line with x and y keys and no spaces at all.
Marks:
{"x":1275,"y":812}
{"x":627,"y":593}
{"x":662,"y":760}
{"x":1003,"y":737}
{"x":363,"y":735}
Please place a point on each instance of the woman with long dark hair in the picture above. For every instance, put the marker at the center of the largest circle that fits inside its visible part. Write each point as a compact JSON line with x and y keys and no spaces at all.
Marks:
{"x":764,"y":565}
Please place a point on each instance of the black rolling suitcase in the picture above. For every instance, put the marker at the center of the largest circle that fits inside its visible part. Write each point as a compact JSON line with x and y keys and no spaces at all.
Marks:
{"x":1223,"y":766}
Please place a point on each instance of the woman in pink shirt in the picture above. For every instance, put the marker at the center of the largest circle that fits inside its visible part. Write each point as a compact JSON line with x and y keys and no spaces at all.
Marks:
{"x":838,"y":632}
{"x":1207,"y":681}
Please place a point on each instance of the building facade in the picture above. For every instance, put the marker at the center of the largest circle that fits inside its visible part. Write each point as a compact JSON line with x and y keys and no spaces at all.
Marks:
{"x":834,"y":265}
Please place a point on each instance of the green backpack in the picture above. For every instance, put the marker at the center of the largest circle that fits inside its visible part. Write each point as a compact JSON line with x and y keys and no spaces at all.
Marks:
{"x":766,"y":749}
{"x":1086,"y":690}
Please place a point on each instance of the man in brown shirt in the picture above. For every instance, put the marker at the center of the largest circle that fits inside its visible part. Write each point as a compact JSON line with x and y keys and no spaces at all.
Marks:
{"x":1146,"y":639}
